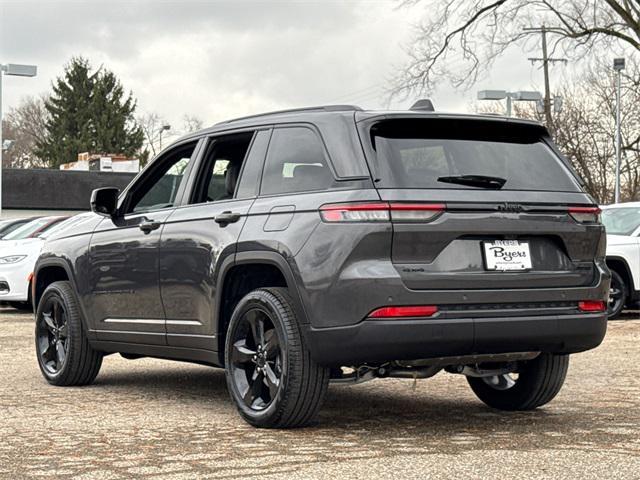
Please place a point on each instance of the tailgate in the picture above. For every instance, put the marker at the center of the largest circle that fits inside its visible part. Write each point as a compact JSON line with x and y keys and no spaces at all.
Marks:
{"x":449,"y":252}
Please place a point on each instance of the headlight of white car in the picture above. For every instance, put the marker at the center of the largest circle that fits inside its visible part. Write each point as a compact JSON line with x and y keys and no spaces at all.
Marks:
{"x":12,"y":259}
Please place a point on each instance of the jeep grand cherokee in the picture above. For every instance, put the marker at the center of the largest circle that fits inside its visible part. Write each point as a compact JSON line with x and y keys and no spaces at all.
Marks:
{"x":324,"y":244}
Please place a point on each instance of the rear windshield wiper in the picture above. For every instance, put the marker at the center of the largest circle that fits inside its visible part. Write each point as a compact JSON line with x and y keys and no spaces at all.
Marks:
{"x":480,"y":181}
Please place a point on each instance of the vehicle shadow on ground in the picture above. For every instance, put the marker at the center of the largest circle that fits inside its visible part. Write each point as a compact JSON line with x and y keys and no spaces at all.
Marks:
{"x":147,"y":408}
{"x":393,"y":419}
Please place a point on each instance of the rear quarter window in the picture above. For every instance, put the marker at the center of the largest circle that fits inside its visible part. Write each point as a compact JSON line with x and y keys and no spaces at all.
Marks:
{"x":412,"y":153}
{"x":296,"y":162}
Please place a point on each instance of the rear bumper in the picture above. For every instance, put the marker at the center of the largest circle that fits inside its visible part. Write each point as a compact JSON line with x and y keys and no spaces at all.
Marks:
{"x":410,"y":339}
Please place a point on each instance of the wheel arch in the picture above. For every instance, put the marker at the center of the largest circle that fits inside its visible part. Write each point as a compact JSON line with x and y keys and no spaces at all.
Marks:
{"x":249,"y":271}
{"x":621,"y":267}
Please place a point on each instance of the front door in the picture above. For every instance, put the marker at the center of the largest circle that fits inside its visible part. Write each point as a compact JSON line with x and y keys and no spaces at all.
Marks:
{"x":125,"y":303}
{"x":200,"y":238}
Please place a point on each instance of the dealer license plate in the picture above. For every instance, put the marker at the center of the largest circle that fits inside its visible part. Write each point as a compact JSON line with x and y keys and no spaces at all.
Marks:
{"x":507,"y":255}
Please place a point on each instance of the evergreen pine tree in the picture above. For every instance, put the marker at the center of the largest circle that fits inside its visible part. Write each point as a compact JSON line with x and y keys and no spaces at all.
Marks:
{"x":89,"y":112}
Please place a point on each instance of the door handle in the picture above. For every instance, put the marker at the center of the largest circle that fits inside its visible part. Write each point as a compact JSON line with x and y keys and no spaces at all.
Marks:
{"x":147,"y":226}
{"x":227,"y":217}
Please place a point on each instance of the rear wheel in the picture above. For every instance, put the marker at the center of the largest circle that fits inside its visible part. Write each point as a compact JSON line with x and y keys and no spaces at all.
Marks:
{"x":617,"y":295}
{"x":64,"y":354}
{"x":536,"y":383}
{"x":271,"y":376}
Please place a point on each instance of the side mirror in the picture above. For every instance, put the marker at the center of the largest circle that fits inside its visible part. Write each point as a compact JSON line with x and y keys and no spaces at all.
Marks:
{"x":104,"y":201}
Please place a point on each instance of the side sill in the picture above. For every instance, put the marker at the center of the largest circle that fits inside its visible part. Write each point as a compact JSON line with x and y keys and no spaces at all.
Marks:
{"x":164,"y":352}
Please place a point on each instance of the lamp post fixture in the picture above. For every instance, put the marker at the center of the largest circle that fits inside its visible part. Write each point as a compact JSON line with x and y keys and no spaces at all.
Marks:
{"x":618,"y":66}
{"x":519,"y":96}
{"x":18,"y":71}
{"x":162,"y":129}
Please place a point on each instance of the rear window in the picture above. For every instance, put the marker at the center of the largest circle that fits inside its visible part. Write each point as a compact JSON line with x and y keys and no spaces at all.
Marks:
{"x":425,"y":153}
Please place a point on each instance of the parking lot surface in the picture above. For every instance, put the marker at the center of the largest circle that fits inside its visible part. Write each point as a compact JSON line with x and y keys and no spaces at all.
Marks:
{"x":157,"y":419}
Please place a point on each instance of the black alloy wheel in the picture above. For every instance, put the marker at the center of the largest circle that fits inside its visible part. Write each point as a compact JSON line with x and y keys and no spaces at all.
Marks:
{"x":534,"y":383}
{"x":256,"y":359}
{"x":64,"y":353}
{"x":271,"y":375}
{"x":52,"y":334}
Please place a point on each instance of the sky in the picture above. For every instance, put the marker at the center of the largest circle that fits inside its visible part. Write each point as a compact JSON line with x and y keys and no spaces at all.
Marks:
{"x":217,"y":60}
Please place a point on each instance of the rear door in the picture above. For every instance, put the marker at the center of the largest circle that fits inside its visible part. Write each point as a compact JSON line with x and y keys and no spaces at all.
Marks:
{"x":481,"y":204}
{"x":200,"y":238}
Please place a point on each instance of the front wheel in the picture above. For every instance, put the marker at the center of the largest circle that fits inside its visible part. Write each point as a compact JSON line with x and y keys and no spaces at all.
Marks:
{"x":535,"y":383}
{"x":270,"y":374}
{"x":64,"y":354}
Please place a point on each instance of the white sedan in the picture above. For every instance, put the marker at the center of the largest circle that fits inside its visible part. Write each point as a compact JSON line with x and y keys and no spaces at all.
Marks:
{"x":622,"y":222}
{"x":19,"y":251}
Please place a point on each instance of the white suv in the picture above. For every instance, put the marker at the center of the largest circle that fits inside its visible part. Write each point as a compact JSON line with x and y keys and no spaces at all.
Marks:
{"x":622,"y":222}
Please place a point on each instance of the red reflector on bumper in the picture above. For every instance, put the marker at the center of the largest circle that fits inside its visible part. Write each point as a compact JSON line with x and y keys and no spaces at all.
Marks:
{"x":398,"y":312}
{"x":592,"y":306}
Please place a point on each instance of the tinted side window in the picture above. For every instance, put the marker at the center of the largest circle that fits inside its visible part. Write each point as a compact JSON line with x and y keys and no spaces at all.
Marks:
{"x":296,"y":162}
{"x":159,"y":190}
{"x":222,"y":164}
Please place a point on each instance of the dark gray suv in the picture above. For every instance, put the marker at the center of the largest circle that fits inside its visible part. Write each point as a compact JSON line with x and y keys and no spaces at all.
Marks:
{"x":327,"y":244}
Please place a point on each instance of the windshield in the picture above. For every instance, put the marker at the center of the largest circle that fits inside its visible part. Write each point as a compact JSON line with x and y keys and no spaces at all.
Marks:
{"x":58,"y":227}
{"x":466,"y":154}
{"x":8,"y":226}
{"x":30,"y":228}
{"x":621,"y":221}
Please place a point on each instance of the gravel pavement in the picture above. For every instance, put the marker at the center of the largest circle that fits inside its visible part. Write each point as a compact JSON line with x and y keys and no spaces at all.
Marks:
{"x":155,"y":419}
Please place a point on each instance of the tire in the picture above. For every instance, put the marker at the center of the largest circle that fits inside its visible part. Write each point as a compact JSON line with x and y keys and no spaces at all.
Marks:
{"x":539,"y":381}
{"x":272,"y":386}
{"x":617,"y":295}
{"x":59,"y":327}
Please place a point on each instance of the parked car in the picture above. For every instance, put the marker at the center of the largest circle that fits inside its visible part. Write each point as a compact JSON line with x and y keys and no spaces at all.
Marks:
{"x":9,"y":225}
{"x":622,"y":223}
{"x":19,"y":251}
{"x":331,"y":243}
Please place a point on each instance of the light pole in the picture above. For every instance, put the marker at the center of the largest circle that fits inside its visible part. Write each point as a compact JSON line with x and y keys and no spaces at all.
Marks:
{"x":520,"y":96}
{"x":162,"y":129}
{"x":618,"y":66}
{"x":18,"y":71}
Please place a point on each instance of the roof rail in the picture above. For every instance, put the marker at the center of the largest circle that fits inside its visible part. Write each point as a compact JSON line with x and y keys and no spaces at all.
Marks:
{"x":322,"y":108}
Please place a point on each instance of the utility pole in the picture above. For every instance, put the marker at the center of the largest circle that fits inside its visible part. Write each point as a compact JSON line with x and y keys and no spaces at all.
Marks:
{"x":545,"y":67}
{"x":618,"y":66}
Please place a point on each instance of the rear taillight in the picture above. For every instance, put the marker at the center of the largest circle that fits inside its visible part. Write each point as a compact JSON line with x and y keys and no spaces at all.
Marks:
{"x":355,"y":212}
{"x":399,"y":312}
{"x":415,"y":212}
{"x":592,"y":306}
{"x":585,"y":214}
{"x":381,"y":212}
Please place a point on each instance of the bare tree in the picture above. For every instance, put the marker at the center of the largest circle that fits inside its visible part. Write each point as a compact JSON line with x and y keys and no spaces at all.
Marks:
{"x":151,"y":124}
{"x":460,"y":39}
{"x":24,"y":127}
{"x":191,"y":123}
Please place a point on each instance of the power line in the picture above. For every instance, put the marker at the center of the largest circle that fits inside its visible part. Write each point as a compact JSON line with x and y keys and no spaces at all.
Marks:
{"x":372,"y":89}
